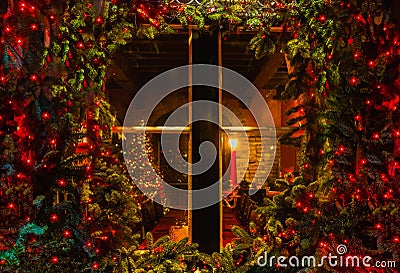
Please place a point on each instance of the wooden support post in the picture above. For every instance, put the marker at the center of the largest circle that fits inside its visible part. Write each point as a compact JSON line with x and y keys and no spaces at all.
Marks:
{"x":206,"y":221}
{"x":190,"y":142}
{"x":220,"y":139}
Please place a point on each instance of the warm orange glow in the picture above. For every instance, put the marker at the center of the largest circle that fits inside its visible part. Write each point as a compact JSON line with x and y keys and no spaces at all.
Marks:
{"x":233,"y":142}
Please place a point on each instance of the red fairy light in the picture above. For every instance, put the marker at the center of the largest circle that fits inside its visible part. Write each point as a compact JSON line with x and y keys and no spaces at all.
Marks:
{"x":350,"y":41}
{"x":95,"y":265}
{"x":360,"y":18}
{"x":386,"y":196}
{"x":67,"y":233}
{"x":80,"y":45}
{"x":11,"y":206}
{"x":45,"y":115}
{"x":54,"y":260}
{"x":353,"y":80}
{"x":371,"y":63}
{"x":99,"y":20}
{"x":22,"y":6}
{"x":62,"y":182}
{"x":33,"y":77}
{"x":54,"y":218}
{"x":376,"y":136}
{"x":34,"y":26}
{"x":322,"y":18}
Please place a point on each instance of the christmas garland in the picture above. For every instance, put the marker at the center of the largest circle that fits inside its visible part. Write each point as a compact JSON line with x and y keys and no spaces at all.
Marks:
{"x":346,"y":59}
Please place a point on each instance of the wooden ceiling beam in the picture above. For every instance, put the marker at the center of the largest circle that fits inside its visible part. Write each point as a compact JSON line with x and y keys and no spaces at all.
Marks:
{"x":269,"y":68}
{"x":239,"y":29}
{"x":117,"y":69}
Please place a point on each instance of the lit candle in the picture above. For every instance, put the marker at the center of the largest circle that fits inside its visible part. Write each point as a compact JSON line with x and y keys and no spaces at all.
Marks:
{"x":233,"y":177}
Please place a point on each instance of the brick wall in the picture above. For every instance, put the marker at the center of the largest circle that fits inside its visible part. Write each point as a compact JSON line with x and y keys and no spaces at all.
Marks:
{"x":255,"y":150}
